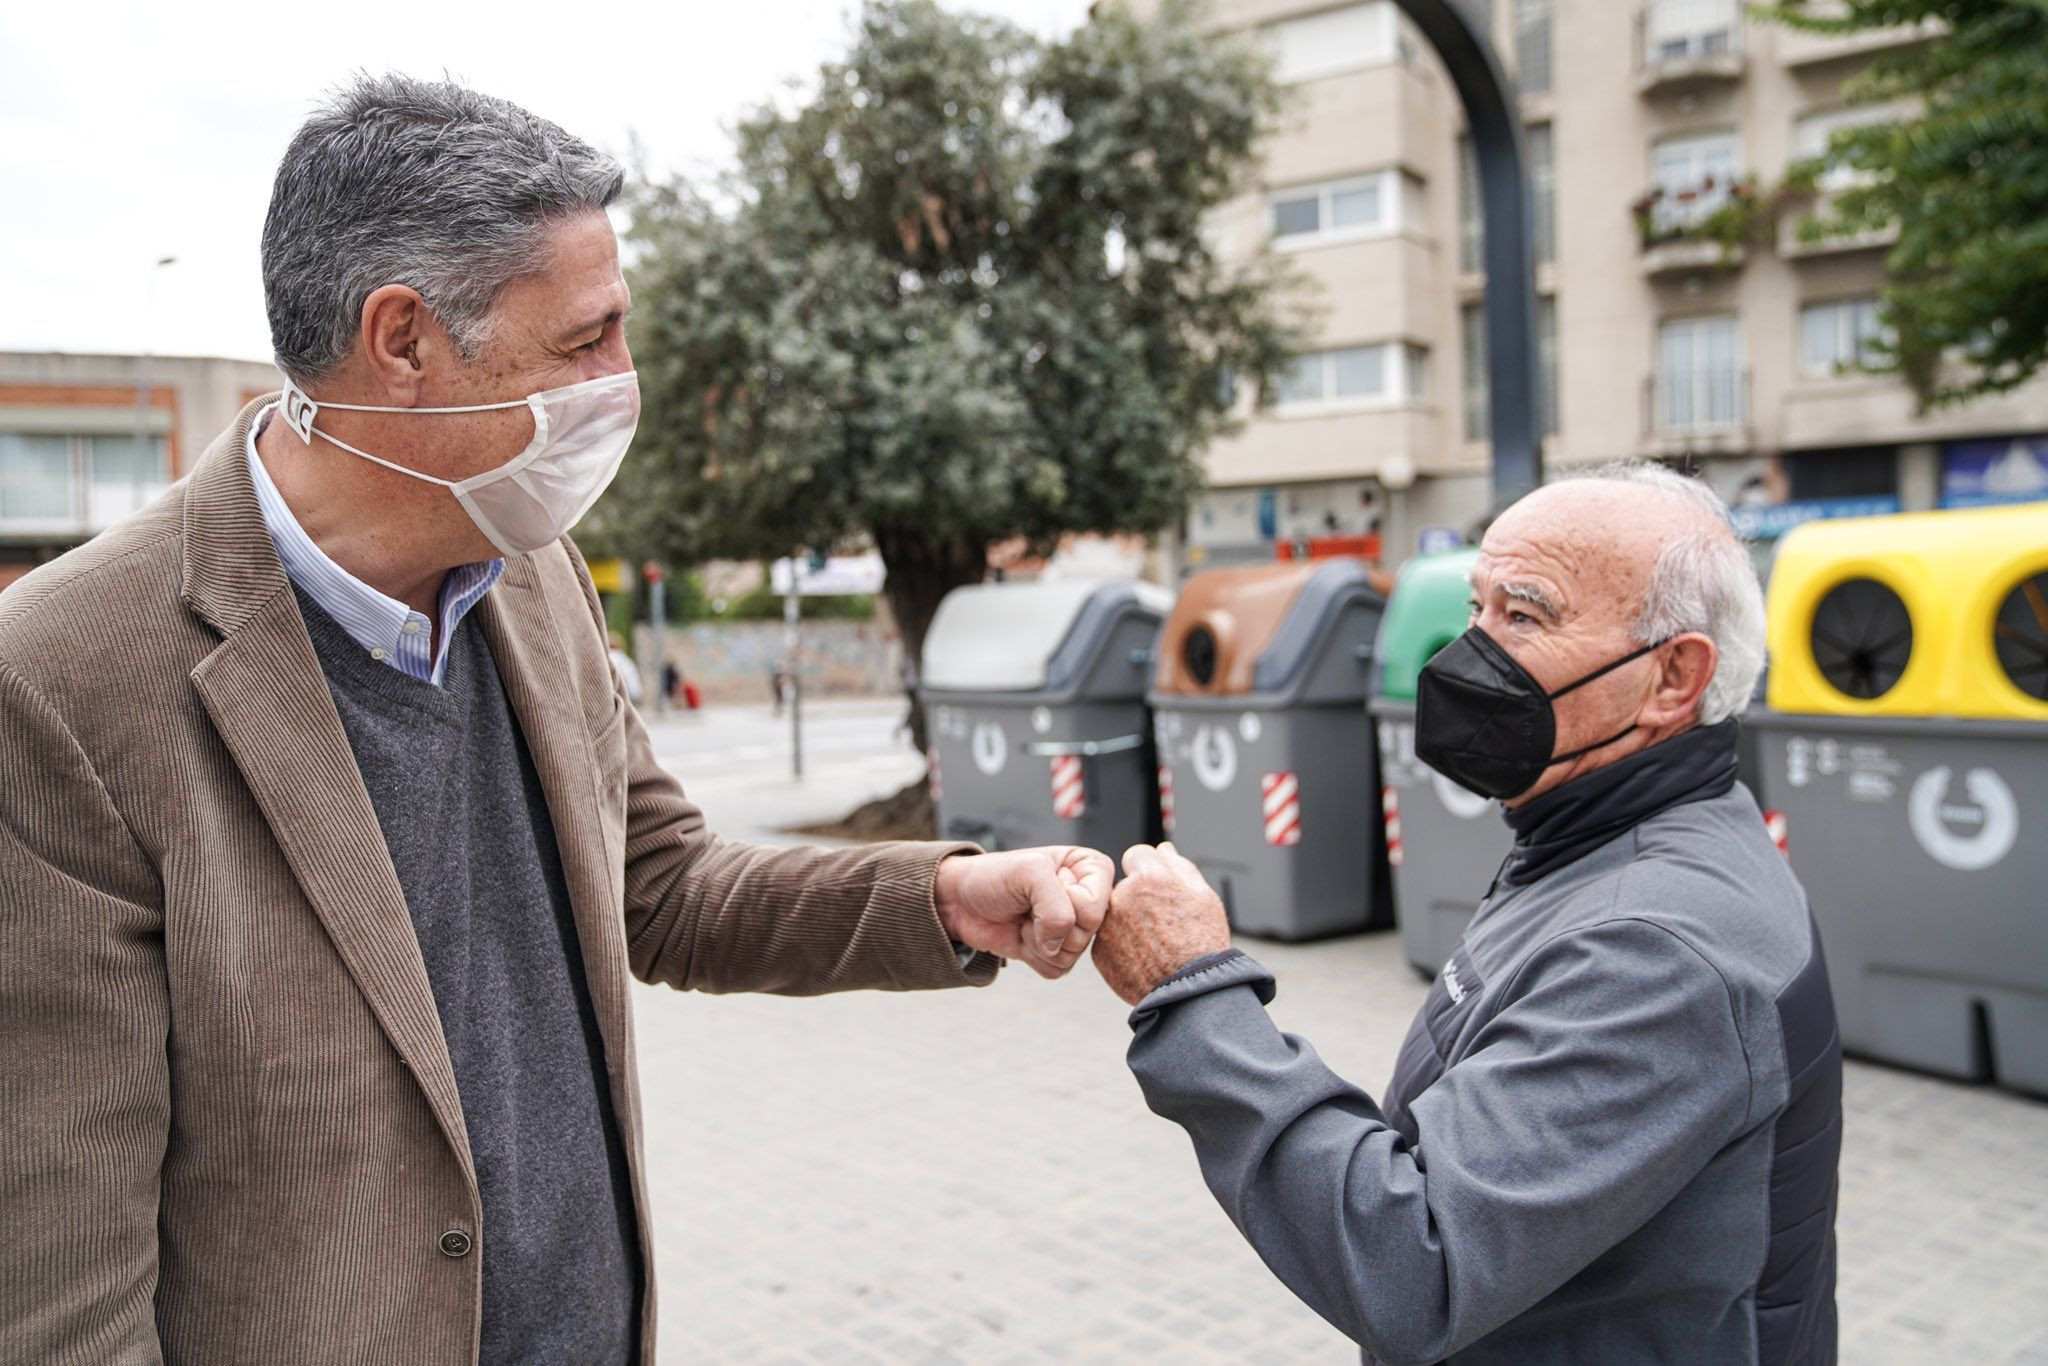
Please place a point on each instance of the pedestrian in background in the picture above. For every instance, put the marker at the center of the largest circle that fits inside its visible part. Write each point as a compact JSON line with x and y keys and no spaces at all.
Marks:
{"x":628,"y":671}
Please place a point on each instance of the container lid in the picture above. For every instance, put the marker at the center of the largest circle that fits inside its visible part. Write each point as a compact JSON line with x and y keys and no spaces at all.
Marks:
{"x":1025,"y":637}
{"x":1253,"y":629}
{"x":1429,"y":609}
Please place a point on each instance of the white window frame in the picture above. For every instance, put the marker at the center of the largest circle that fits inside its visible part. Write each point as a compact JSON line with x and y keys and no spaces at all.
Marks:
{"x":1391,"y":220}
{"x":1851,"y":342}
{"x":81,"y":520}
{"x":1373,"y":25}
{"x":1686,"y":30}
{"x":1713,"y":394}
{"x":1701,"y":165}
{"x":1403,"y":370}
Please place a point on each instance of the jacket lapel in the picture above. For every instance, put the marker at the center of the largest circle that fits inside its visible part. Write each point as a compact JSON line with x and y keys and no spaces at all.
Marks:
{"x":534,"y":664}
{"x":267,"y":698}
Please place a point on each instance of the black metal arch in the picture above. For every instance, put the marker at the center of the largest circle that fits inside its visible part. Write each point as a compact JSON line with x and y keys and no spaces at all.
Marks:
{"x":1495,"y":126}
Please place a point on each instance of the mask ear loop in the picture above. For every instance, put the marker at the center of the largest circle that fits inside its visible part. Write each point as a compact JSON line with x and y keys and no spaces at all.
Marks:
{"x":1626,"y":731}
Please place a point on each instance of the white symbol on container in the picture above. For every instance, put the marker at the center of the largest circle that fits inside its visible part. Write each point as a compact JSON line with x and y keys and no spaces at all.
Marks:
{"x":1995,"y":814}
{"x":1214,"y":755}
{"x":991,"y":748}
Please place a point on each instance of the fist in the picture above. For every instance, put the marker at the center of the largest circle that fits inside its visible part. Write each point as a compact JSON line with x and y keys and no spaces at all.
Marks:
{"x":1038,"y":905}
{"x":1162,"y":917}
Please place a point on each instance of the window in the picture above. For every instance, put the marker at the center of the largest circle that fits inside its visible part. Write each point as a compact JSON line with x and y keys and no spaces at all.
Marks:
{"x":1699,"y":375}
{"x":126,"y":476}
{"x":1838,"y":336}
{"x":1542,"y":192}
{"x":1678,"y":30}
{"x":1350,"y":375}
{"x":73,"y":484}
{"x":1532,"y":46}
{"x":1335,"y":40}
{"x":1471,"y":241}
{"x":37,"y":481}
{"x":1367,"y":206}
{"x":1478,"y":381}
{"x":1813,"y":132}
{"x":1693,"y":176}
{"x":1472,"y":346}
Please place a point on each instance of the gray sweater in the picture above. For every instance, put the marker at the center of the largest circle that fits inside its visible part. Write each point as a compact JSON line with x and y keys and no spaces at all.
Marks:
{"x":1613,"y":1130}
{"x":467,"y":825}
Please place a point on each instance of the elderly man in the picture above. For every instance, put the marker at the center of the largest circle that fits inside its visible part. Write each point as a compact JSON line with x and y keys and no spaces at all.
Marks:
{"x":1611,"y":1134}
{"x":328,"y":838}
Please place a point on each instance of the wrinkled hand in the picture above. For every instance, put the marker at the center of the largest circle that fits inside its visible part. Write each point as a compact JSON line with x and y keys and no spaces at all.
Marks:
{"x":1162,"y":917}
{"x":1040,"y":905}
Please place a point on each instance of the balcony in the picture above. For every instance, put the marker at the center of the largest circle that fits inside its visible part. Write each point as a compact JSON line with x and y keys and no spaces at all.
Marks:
{"x":1796,"y":48}
{"x":1685,"y":230}
{"x":1701,"y":410}
{"x":1684,"y":45}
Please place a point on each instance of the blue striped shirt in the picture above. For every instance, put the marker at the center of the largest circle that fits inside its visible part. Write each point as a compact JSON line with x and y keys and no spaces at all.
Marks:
{"x":386,"y":627}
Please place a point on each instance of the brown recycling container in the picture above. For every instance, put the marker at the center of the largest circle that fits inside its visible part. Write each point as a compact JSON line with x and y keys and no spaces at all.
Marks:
{"x":1268,"y":771}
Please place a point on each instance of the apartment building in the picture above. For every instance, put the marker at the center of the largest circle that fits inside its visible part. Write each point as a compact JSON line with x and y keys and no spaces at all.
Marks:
{"x":86,"y":439}
{"x":1649,"y":127}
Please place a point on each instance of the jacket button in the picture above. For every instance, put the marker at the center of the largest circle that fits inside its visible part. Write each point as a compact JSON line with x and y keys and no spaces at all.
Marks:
{"x":455,"y":1243}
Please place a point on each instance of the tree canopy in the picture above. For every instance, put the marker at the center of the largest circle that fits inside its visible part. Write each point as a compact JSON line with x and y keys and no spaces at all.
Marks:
{"x":1962,"y":175}
{"x":958,"y":291}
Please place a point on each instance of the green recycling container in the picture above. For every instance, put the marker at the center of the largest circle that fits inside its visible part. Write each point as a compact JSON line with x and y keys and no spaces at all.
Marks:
{"x":1443,"y":842}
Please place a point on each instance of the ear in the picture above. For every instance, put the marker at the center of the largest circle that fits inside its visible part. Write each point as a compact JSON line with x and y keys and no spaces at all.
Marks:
{"x":1686,"y":667}
{"x":398,"y":341}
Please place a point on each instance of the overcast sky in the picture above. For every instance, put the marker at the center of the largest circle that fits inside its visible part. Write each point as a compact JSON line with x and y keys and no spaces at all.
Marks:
{"x":130,"y":132}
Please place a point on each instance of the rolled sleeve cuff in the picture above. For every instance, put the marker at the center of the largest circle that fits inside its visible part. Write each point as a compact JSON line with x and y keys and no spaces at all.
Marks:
{"x":1214,"y":972}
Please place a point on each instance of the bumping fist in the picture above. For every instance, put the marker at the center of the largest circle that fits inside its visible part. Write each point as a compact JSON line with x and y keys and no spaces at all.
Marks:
{"x":1038,"y":905}
{"x":1162,"y":917}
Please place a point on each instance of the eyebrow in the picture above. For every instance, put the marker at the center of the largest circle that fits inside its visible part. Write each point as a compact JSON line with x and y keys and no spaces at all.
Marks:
{"x":617,"y":315}
{"x":1535,"y":597}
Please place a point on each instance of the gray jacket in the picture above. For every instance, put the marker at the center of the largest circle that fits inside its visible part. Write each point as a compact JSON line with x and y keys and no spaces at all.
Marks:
{"x":1613,"y":1129}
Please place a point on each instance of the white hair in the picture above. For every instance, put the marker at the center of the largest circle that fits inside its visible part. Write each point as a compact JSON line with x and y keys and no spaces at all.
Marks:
{"x":1703,"y":581}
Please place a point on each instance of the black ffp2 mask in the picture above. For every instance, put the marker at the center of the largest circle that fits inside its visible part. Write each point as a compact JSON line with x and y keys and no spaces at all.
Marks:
{"x":1483,"y":722}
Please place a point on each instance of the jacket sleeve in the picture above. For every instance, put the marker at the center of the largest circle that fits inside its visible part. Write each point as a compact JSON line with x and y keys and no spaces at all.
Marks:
{"x":1609,"y":1078}
{"x":708,"y":914}
{"x":84,"y":1075}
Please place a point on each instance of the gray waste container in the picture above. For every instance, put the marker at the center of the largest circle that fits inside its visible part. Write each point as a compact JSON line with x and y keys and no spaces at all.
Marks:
{"x":1267,"y":773}
{"x":1443,"y":842}
{"x":1034,"y":698}
{"x":1904,"y":747}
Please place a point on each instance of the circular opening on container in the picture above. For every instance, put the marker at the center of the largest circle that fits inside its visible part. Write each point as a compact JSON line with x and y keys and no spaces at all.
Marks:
{"x":1198,"y":655}
{"x":2019,"y":633}
{"x":1862,"y":638}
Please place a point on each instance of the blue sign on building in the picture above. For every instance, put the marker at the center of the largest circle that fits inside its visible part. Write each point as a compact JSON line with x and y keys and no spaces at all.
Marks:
{"x":1772,"y":520}
{"x":2006,"y":470}
{"x":1435,"y":540}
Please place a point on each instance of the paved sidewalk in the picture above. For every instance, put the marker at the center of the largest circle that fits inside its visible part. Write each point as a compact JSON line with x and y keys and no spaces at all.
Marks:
{"x":973,"y":1177}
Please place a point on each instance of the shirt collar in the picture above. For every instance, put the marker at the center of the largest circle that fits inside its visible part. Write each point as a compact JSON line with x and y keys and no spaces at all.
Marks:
{"x":387,"y":628}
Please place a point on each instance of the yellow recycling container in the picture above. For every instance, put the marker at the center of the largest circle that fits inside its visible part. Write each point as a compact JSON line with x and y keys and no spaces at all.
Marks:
{"x":1923,"y":614}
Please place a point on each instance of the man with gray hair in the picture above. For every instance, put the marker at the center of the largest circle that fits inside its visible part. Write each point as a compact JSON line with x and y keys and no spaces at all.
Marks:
{"x":329,"y":839}
{"x":1612,"y":1131}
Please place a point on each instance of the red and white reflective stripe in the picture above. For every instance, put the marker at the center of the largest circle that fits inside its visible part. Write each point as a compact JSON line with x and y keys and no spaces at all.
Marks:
{"x":931,"y":758}
{"x":1069,"y":800}
{"x":1280,"y":807}
{"x":1166,"y":798}
{"x":1390,"y":809}
{"x":1774,"y":826}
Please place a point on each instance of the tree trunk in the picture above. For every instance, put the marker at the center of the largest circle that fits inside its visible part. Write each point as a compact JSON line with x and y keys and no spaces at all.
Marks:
{"x":922,"y":569}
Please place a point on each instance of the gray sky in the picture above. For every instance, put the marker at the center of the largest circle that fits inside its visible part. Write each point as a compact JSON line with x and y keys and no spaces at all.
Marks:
{"x":133,"y":131}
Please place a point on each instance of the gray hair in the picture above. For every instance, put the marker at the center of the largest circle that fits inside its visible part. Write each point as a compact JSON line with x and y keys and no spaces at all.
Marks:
{"x":1703,"y":581}
{"x":418,"y":183}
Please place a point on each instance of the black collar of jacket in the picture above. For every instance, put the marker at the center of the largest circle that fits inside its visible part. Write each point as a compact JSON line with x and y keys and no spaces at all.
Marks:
{"x":1587,"y":812}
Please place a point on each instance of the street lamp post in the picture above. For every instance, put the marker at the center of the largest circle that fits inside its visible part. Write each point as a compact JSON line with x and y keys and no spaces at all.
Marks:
{"x":1497,"y":145}
{"x":143,"y":381}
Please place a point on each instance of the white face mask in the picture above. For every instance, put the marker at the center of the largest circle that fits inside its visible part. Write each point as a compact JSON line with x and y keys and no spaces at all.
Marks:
{"x":580,"y":434}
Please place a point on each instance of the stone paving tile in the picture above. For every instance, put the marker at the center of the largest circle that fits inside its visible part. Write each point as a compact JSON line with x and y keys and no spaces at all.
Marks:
{"x":973,"y":1177}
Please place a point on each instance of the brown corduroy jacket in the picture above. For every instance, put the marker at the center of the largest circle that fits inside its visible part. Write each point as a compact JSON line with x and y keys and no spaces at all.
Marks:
{"x":229,"y":1129}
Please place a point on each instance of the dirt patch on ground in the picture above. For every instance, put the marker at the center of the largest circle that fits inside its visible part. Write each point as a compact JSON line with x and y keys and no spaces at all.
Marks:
{"x":905,"y":815}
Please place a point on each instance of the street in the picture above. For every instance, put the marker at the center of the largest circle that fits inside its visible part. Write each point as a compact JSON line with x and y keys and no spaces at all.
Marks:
{"x":973,"y":1176}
